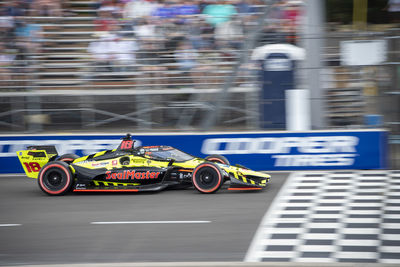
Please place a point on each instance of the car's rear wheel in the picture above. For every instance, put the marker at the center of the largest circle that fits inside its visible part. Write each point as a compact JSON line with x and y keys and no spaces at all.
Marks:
{"x":218,"y":159}
{"x":207,"y":178}
{"x":55,"y":178}
{"x":68,"y":158}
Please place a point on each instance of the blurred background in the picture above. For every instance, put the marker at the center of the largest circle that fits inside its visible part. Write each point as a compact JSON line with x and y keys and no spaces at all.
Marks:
{"x":141,"y":66}
{"x":271,"y":84}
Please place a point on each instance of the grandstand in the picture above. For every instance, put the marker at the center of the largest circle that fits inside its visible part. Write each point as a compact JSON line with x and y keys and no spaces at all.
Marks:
{"x":63,"y":61}
{"x":64,"y":71}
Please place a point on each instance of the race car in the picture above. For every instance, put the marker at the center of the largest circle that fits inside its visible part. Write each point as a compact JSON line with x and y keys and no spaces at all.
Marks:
{"x":134,"y":169}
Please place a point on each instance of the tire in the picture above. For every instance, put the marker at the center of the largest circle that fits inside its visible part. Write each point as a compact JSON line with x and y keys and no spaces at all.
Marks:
{"x":207,"y":178}
{"x":55,"y":178}
{"x":218,"y":159}
{"x":68,"y":158}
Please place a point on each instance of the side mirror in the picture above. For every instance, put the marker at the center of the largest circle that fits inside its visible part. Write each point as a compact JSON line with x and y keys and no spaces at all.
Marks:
{"x":171,"y":161}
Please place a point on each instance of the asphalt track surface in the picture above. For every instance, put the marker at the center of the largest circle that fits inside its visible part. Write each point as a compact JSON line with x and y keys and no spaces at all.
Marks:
{"x":55,"y":230}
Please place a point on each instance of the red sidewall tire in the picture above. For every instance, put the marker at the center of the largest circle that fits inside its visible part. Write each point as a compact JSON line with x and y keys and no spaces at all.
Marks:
{"x":68,"y":158}
{"x":60,"y":167}
{"x":218,"y":174}
{"x":218,"y":159}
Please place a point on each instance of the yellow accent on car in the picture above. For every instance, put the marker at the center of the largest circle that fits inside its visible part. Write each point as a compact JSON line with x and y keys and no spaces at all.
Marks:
{"x":100,"y":153}
{"x":81,"y":159}
{"x":72,"y":169}
{"x":33,"y":160}
{"x":98,"y":183}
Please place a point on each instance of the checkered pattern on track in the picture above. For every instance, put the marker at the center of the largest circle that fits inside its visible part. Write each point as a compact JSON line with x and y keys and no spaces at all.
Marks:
{"x":338,"y":216}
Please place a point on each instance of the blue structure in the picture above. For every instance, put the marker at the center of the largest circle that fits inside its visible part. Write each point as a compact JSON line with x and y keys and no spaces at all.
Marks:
{"x":277,"y":63}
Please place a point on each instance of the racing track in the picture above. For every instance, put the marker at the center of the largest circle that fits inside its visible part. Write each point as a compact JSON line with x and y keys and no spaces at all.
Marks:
{"x":52,"y":230}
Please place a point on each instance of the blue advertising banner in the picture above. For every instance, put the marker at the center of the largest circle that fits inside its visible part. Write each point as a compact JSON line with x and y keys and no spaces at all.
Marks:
{"x":314,"y":150}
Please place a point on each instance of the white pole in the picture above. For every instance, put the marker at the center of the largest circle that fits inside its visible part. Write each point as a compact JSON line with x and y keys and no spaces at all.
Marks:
{"x":298,"y":116}
{"x":313,"y":39}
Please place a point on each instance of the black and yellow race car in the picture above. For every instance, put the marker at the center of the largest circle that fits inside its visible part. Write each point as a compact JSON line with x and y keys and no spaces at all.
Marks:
{"x":134,"y":169}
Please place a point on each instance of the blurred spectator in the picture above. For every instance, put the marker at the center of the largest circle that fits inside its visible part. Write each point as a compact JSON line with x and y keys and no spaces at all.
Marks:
{"x":150,"y":55}
{"x":98,"y":51}
{"x":112,"y":6}
{"x":6,"y":60}
{"x":108,"y":5}
{"x":106,"y":21}
{"x":113,"y":53}
{"x":243,"y":7}
{"x":257,"y":6}
{"x":275,"y":13}
{"x":188,"y":9}
{"x":186,"y":57}
{"x":186,"y":60}
{"x":393,"y":7}
{"x":291,"y":19}
{"x":207,"y":63}
{"x":150,"y":59}
{"x":123,"y":51}
{"x":192,"y":31}
{"x":50,"y":8}
{"x":15,"y":8}
{"x":219,"y":13}
{"x":292,"y":12}
{"x":273,"y":30}
{"x":28,"y":36}
{"x":248,"y":12}
{"x":206,"y":33}
{"x":166,"y":11}
{"x":146,"y":30}
{"x":271,"y":34}
{"x":229,"y":34}
{"x":136,"y":9}
{"x":119,"y":9}
{"x":6,"y":27}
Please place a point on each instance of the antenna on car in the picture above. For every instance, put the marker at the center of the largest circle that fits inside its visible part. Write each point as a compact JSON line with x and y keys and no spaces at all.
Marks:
{"x":127,"y":137}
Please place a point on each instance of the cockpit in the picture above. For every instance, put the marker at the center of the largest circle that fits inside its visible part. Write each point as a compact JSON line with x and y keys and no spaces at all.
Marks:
{"x":164,"y":153}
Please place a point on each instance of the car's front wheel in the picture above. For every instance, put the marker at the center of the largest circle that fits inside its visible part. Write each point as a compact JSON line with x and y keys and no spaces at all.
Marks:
{"x":55,"y":178}
{"x":207,"y":178}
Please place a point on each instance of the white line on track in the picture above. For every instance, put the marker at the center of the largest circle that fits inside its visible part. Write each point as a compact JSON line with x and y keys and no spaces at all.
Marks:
{"x":9,"y":224}
{"x":150,"y":222}
{"x":255,"y":247}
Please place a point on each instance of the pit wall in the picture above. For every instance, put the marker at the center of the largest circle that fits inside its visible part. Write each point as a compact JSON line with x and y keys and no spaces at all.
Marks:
{"x":267,"y":151}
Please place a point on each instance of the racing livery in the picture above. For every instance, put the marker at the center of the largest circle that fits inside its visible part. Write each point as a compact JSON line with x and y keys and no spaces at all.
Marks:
{"x":133,"y":169}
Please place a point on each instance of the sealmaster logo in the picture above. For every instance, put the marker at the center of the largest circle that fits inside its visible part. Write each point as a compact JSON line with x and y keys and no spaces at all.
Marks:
{"x":127,"y":174}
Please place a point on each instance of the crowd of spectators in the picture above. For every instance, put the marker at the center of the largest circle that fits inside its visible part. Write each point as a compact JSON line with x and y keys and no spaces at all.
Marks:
{"x":20,"y":35}
{"x":16,"y":22}
{"x":177,"y":32}
{"x":152,"y":34}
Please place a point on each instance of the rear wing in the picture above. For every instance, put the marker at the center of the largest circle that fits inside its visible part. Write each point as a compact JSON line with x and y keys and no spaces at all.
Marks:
{"x":35,"y":157}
